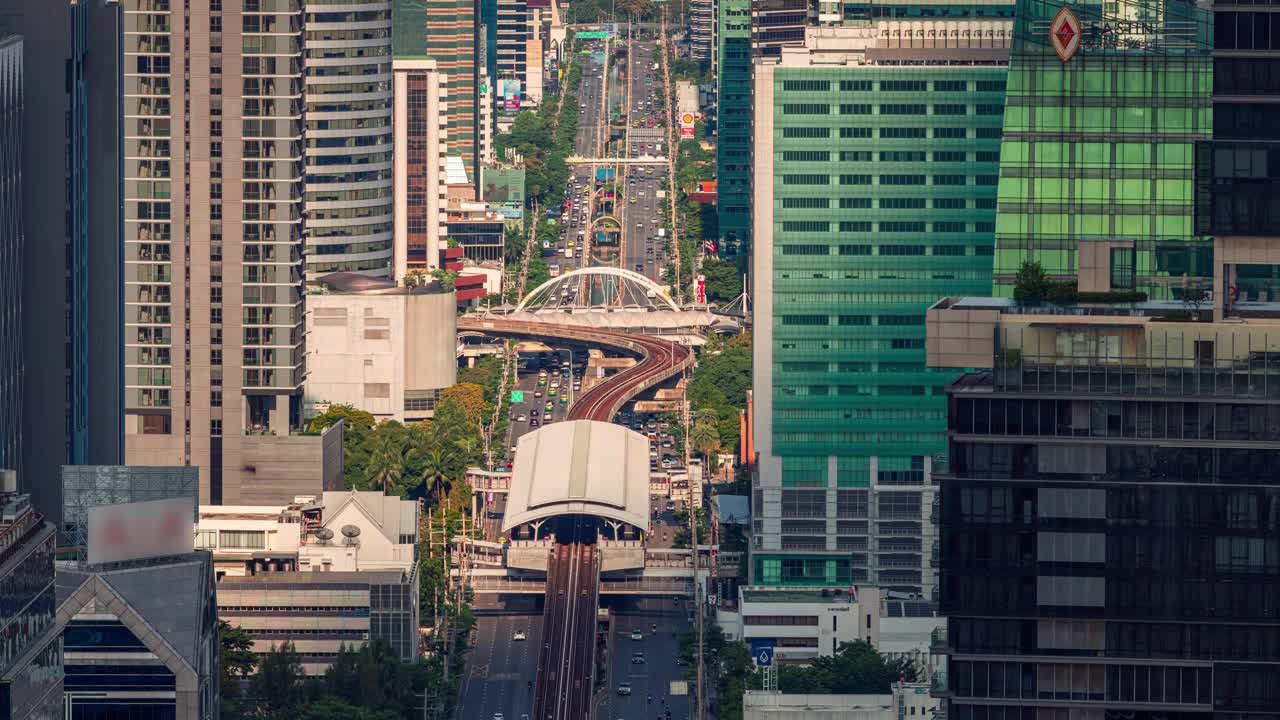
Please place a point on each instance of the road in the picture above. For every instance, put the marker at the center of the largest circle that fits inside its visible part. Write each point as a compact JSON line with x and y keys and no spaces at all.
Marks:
{"x":500,"y":669}
{"x":643,"y":251}
{"x":566,"y":664}
{"x":660,"y":649}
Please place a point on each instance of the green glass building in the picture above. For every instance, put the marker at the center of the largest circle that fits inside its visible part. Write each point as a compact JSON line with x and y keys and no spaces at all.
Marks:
{"x":1098,"y":167}
{"x":874,"y":193}
{"x":733,"y":128}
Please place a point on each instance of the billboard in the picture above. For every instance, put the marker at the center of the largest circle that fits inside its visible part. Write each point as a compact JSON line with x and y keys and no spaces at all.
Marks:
{"x":133,"y":531}
{"x":595,"y":35}
{"x":700,"y":289}
{"x":509,"y":91}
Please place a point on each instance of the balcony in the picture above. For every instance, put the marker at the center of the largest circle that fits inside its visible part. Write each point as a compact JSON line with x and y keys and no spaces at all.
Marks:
{"x":938,"y":640}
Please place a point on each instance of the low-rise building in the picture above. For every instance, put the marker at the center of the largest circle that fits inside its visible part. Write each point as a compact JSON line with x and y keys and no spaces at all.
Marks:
{"x":906,"y":701}
{"x":807,"y":623}
{"x":140,"y":638}
{"x":321,"y":572}
{"x":380,"y":347}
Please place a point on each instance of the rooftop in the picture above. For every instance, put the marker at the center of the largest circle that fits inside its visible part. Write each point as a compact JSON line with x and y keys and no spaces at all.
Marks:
{"x":582,"y":467}
{"x":350,"y":283}
{"x":314,"y":579}
{"x":797,"y":595}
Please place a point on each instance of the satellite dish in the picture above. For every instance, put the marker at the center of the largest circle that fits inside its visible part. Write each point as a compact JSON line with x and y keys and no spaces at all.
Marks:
{"x":351,"y":532}
{"x":324,"y":534}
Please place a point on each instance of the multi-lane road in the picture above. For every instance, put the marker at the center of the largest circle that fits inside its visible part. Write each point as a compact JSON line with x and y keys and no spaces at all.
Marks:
{"x":643,"y":251}
{"x":660,"y":622}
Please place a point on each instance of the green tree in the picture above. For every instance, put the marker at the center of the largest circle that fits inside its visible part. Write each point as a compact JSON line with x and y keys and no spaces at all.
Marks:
{"x":355,"y":421}
{"x":1031,"y":284}
{"x":236,"y":663}
{"x":705,"y":437}
{"x":437,"y":470}
{"x":724,"y":282}
{"x":386,"y":462}
{"x":855,"y":668}
{"x":279,"y":687}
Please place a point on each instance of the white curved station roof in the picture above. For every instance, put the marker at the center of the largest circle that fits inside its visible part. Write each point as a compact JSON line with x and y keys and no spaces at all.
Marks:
{"x":580,"y":467}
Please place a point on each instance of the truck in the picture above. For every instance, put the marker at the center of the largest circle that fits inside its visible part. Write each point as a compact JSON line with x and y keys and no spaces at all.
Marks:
{"x":568,"y":252}
{"x":662,"y":232}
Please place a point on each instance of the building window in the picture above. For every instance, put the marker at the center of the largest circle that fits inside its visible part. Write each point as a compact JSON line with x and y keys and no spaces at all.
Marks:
{"x":242,"y":539}
{"x":206,"y":539}
{"x":1122,"y":277}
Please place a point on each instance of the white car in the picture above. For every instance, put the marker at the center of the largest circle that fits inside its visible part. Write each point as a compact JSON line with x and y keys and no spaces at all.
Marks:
{"x":637,"y":635}
{"x":499,"y":716}
{"x":522,"y":417}
{"x":519,"y":635}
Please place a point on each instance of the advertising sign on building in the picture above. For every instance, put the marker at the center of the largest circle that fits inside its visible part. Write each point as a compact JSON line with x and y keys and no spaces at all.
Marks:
{"x":700,"y":289}
{"x":509,"y":90}
{"x":132,"y":531}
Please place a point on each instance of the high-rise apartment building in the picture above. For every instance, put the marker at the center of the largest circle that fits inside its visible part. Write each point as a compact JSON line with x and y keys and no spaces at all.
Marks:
{"x":348,"y":112}
{"x":1110,"y":514}
{"x":214,"y":180}
{"x":776,"y":24}
{"x":875,"y":170}
{"x":702,"y":35}
{"x":70,"y":267}
{"x":1102,"y":146}
{"x":11,"y":244}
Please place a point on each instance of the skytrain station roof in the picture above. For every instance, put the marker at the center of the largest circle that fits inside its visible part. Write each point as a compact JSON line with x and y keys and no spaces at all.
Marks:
{"x":580,"y":467}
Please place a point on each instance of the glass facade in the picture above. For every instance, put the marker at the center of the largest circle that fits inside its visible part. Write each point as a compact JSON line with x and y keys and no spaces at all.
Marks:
{"x":1111,"y":523}
{"x":1103,"y":145}
{"x":733,"y":128}
{"x":27,"y":609}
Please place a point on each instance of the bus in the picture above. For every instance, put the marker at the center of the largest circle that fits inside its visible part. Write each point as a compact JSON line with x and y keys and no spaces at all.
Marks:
{"x":555,"y":270}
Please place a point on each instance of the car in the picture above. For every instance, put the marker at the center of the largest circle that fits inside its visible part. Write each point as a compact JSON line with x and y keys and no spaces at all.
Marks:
{"x":550,"y":406}
{"x":624,"y":689}
{"x":637,"y":635}
{"x":499,"y":716}
{"x":510,"y":463}
{"x":552,"y":392}
{"x":521,"y":417}
{"x":534,"y":422}
{"x":637,"y":658}
{"x":564,"y":399}
{"x":519,"y":635}
{"x":537,"y":393}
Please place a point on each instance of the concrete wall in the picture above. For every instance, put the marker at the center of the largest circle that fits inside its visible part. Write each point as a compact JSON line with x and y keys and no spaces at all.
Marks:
{"x":277,"y":469}
{"x":367,"y":349}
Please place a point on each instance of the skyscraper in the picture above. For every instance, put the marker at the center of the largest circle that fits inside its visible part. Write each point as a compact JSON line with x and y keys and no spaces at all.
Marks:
{"x":420,"y":140}
{"x":348,"y":110}
{"x":214,"y":166}
{"x":1100,"y":142}
{"x":71,"y":266}
{"x":874,"y":178}
{"x":452,"y":28}
{"x":11,"y":244}
{"x":733,"y":127}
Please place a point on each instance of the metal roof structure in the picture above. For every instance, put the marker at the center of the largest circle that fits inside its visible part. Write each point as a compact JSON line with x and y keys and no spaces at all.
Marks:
{"x":580,"y":467}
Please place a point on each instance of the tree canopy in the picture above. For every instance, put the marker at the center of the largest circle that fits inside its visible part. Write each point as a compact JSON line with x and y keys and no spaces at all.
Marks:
{"x":855,"y":668}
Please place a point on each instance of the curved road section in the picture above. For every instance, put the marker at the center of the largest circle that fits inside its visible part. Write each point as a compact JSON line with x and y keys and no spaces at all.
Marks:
{"x":660,"y":360}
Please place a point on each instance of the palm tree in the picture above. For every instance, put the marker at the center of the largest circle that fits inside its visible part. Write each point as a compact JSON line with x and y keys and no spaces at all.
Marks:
{"x":436,"y":467}
{"x":705,"y":438}
{"x":386,"y":464}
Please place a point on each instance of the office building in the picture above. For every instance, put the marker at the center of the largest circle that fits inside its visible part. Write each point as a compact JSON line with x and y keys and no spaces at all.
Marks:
{"x":1109,"y":513}
{"x":11,"y":244}
{"x":803,"y":624}
{"x":448,"y":32}
{"x":513,"y":49}
{"x":31,"y":663}
{"x":875,"y":169}
{"x":140,"y":637}
{"x":71,"y":267}
{"x":349,"y":144}
{"x":733,"y":127}
{"x":340,"y":571}
{"x":384,"y":348}
{"x":1245,"y":181}
{"x":213,"y":233}
{"x":776,"y":24}
{"x":420,"y":124}
{"x":1100,"y":144}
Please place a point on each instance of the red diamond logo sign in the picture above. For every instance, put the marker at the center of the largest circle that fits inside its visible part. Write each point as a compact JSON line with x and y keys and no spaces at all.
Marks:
{"x":1064,"y":34}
